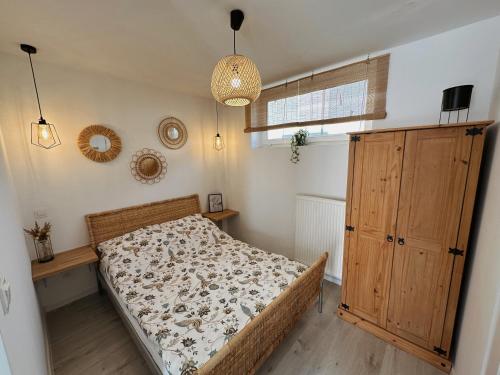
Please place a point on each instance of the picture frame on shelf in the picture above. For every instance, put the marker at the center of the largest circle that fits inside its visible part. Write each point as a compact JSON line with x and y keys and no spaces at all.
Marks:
{"x":215,"y":203}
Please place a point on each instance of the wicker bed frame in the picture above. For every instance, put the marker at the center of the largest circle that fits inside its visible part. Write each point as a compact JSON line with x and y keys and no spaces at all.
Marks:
{"x":248,"y":350}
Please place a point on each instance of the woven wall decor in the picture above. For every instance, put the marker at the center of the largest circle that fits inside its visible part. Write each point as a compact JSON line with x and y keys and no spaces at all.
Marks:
{"x":172,"y":132}
{"x":99,"y":143}
{"x":148,"y":166}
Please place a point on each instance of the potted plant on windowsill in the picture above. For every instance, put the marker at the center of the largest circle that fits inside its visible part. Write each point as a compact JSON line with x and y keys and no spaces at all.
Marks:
{"x":41,"y":240}
{"x":298,"y":139}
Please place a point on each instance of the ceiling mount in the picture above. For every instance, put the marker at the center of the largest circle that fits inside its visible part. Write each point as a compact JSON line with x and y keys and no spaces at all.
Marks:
{"x":28,"y":49}
{"x":237,"y":18}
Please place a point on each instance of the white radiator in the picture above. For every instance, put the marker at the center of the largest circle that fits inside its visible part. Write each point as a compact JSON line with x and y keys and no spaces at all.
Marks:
{"x":319,"y":227}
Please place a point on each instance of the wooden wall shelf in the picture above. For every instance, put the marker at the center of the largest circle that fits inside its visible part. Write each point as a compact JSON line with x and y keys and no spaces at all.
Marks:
{"x":64,"y":261}
{"x":219,"y":216}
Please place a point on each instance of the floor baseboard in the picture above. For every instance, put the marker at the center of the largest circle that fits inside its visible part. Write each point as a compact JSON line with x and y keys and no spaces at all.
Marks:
{"x":46,"y":341}
{"x":333,"y":279}
{"x":71,"y":299}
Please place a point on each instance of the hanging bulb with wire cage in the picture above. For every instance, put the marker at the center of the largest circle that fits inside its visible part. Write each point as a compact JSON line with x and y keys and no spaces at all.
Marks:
{"x":218,"y":140}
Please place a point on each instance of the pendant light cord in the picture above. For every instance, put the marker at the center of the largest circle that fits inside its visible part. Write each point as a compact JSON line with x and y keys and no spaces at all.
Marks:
{"x":234,"y":42}
{"x":217,"y":114}
{"x":36,"y":88}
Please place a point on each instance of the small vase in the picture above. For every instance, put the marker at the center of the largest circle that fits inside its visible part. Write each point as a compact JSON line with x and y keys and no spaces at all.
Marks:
{"x":43,"y":249}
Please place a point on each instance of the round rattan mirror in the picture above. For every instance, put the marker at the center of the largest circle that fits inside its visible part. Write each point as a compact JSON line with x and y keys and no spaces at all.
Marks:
{"x":148,"y":166}
{"x":99,"y":143}
{"x":172,"y":133}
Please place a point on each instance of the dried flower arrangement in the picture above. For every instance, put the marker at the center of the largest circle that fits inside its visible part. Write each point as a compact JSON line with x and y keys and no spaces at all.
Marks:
{"x":39,"y":233}
{"x":298,"y":139}
{"x":41,"y":240}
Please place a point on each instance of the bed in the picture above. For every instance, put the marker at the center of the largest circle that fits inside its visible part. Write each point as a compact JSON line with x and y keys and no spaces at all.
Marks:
{"x":196,"y":300}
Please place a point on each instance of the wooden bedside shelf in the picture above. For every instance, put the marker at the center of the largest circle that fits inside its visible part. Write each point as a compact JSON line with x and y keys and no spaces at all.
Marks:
{"x":219,"y":216}
{"x":62,"y":262}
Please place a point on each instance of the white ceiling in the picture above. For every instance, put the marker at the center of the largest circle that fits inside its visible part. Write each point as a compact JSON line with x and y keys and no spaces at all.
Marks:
{"x":176,"y":43}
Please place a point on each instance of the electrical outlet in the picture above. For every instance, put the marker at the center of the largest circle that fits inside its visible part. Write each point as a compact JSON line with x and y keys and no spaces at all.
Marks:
{"x":5,"y":295}
{"x":40,"y":213}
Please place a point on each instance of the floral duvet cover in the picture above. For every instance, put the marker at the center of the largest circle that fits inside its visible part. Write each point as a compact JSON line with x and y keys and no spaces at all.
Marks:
{"x":191,"y":287}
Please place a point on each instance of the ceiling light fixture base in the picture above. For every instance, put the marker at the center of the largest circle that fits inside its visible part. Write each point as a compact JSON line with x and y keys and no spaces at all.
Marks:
{"x":237,"y":18}
{"x":28,"y":49}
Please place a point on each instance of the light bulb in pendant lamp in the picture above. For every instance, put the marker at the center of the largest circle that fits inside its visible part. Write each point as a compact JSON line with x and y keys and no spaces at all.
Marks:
{"x":218,"y":140}
{"x":236,"y":79}
{"x":43,"y":134}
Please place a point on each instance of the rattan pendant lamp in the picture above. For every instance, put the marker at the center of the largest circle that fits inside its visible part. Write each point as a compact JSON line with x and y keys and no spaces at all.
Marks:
{"x":236,"y":79}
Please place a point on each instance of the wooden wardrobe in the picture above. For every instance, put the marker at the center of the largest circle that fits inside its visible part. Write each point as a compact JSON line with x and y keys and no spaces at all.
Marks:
{"x":410,"y":198}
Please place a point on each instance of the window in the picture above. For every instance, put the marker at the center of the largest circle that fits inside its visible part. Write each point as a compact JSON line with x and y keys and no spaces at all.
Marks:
{"x":340,"y":101}
{"x":326,"y":104}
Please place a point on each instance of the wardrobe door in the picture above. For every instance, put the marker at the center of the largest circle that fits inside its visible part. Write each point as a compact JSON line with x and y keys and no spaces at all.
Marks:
{"x":375,"y":189}
{"x":432,"y":190}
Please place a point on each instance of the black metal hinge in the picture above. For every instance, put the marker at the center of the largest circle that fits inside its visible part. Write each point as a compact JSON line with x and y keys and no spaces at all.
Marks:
{"x":440,"y":351}
{"x":349,"y":228}
{"x":345,"y":306}
{"x":473,"y":131}
{"x":355,"y":138}
{"x":456,"y":251}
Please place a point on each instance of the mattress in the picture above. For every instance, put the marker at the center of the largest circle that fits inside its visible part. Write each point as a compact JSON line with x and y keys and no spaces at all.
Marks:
{"x":189,"y":288}
{"x":152,"y":346}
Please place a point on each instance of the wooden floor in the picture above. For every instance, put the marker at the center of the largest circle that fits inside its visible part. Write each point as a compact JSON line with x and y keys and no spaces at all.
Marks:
{"x":88,"y":337}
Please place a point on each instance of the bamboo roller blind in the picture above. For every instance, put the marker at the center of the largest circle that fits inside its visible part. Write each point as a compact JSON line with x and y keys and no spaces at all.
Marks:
{"x":374,"y":71}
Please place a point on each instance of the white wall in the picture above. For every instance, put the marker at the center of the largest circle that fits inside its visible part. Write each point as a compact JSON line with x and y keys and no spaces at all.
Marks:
{"x":67,"y":184}
{"x":478,"y":348}
{"x":4,"y":361}
{"x":21,"y":329}
{"x":262,"y":183}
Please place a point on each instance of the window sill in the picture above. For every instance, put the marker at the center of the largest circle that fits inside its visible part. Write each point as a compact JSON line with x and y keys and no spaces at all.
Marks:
{"x":313,"y":141}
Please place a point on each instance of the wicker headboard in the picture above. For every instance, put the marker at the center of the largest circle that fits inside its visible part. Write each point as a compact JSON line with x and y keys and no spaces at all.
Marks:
{"x":106,"y":225}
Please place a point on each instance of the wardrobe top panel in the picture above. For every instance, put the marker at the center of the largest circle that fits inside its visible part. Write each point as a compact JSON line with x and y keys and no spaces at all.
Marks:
{"x":429,"y":126}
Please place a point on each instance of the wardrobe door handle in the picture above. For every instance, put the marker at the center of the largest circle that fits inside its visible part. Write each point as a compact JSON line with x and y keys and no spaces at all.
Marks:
{"x":401,"y":241}
{"x":390,"y":238}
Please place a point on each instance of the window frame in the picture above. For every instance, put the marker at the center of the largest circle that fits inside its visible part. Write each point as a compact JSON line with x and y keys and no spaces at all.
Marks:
{"x":260,"y":139}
